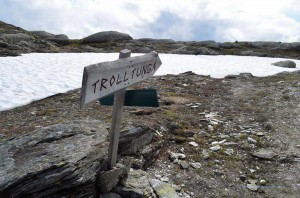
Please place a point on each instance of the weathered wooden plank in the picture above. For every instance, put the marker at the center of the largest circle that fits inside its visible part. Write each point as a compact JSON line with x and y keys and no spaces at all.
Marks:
{"x":116,"y":120}
{"x":104,"y":78}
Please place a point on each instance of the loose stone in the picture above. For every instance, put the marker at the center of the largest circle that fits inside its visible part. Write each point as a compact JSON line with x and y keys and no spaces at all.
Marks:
{"x":205,"y":154}
{"x":215,"y":148}
{"x":251,"y":140}
{"x":252,"y":187}
{"x":193,"y":144}
{"x":195,"y":165}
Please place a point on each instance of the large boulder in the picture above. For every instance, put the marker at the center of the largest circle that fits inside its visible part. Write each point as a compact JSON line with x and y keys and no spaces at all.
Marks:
{"x":286,"y":64}
{"x":102,"y":37}
{"x":61,"y":39}
{"x":42,"y":34}
{"x":55,"y":161}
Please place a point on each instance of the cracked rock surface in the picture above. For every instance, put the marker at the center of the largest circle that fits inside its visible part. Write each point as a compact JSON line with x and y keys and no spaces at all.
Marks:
{"x":51,"y":161}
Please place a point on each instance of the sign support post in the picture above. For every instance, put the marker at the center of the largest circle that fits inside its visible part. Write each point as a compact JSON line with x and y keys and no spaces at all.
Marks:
{"x":116,"y":119}
{"x":101,"y":79}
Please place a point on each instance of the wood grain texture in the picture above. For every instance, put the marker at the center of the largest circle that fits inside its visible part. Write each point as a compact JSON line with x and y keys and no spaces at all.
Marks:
{"x":116,"y":120}
{"x":104,"y":78}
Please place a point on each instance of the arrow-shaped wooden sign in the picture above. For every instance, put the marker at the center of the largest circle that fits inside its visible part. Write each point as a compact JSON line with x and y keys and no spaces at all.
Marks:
{"x":108,"y":77}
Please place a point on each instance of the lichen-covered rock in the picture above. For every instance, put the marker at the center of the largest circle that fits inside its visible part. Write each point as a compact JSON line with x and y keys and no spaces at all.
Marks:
{"x":162,"y":189}
{"x":135,"y":185}
{"x":62,"y":159}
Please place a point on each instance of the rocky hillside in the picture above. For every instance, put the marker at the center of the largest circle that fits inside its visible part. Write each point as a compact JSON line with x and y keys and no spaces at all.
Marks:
{"x":14,"y":41}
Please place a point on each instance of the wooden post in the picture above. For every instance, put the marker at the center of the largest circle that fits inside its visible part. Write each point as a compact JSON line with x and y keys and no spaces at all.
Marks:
{"x":116,"y":119}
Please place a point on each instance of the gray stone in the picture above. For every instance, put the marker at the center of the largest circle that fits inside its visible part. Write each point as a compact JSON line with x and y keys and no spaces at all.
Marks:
{"x":109,"y":179}
{"x":264,"y":154}
{"x":16,"y":38}
{"x":194,"y":144}
{"x":107,"y":36}
{"x":55,"y":160}
{"x":177,"y":156}
{"x":205,"y":154}
{"x":133,"y":139}
{"x":229,"y":151}
{"x":251,"y":140}
{"x":110,"y":195}
{"x":215,"y":148}
{"x":286,"y":64}
{"x":195,"y":165}
{"x":61,"y":39}
{"x":184,"y":165}
{"x":162,"y":189}
{"x":135,"y":185}
{"x":3,"y":44}
{"x":42,"y":34}
{"x":259,"y":134}
{"x":150,"y":153}
{"x":219,"y":172}
{"x":252,"y":187}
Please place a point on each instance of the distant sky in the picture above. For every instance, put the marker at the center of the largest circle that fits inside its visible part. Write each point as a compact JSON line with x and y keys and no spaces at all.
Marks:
{"x":220,"y":20}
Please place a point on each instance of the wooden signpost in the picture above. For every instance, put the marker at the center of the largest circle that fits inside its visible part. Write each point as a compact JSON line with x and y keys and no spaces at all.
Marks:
{"x":105,"y":78}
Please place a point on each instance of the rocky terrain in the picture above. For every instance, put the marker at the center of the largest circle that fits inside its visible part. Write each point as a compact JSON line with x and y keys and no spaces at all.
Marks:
{"x":232,"y":137}
{"x":14,"y":41}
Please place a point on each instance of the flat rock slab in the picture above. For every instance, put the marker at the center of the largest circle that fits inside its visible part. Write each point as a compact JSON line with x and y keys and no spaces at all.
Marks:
{"x":53,"y":160}
{"x":264,"y":154}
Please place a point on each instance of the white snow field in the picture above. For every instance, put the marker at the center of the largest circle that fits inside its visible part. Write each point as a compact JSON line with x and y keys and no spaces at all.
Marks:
{"x":34,"y":76}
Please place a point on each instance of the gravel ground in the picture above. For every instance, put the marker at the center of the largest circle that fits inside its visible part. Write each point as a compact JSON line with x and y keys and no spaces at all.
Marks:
{"x":241,"y":131}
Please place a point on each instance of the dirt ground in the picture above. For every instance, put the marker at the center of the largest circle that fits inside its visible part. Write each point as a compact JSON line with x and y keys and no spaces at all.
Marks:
{"x":245,"y":131}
